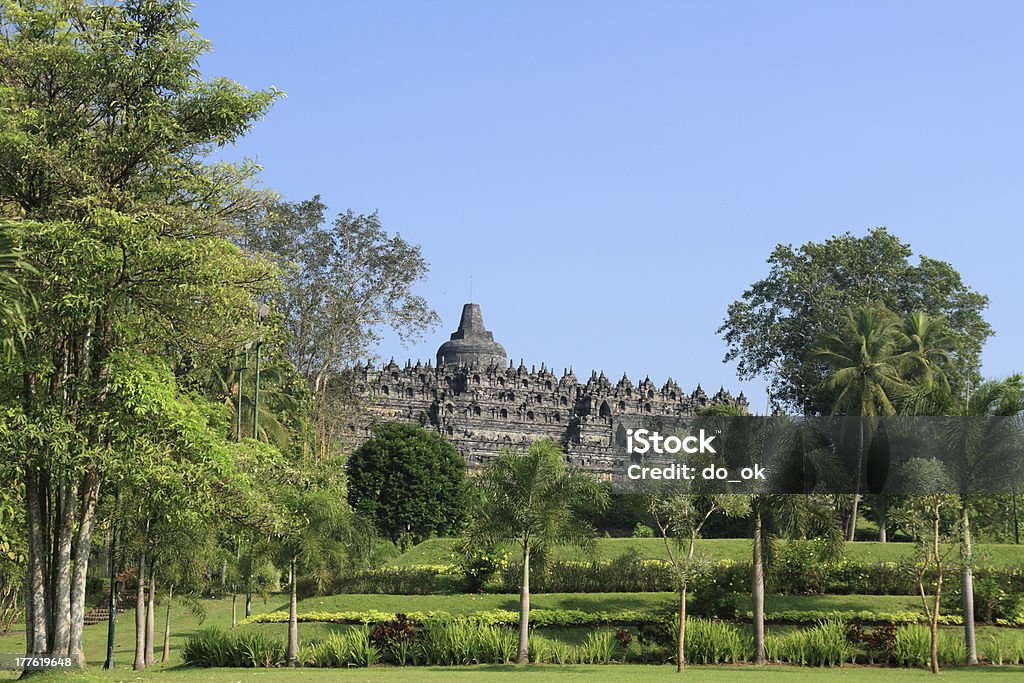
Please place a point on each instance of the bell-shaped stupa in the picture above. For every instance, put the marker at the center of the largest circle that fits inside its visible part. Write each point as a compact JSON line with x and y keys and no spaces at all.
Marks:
{"x":471,"y":344}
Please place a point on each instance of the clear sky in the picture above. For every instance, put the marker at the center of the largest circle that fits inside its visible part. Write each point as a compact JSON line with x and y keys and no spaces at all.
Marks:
{"x":613,"y":174}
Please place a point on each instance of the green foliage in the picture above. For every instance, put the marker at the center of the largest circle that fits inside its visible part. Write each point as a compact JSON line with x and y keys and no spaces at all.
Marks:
{"x":450,"y":642}
{"x":912,"y":647}
{"x":825,"y":644}
{"x":531,"y":499}
{"x":409,"y":482}
{"x":598,"y":648}
{"x":353,"y":648}
{"x":478,"y":564}
{"x":215,"y":647}
{"x":641,"y":530}
{"x":391,"y":581}
{"x":773,"y":327}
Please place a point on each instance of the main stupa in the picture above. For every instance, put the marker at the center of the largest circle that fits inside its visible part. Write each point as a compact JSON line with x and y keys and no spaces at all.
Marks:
{"x":471,"y":344}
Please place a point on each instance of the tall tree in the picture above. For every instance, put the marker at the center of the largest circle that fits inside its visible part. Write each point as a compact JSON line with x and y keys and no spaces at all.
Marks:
{"x":346,"y":283}
{"x":773,"y":328}
{"x":531,"y":499}
{"x":104,"y":126}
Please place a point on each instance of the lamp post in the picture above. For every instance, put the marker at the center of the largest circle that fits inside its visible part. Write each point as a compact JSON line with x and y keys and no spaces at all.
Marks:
{"x":262,"y":313}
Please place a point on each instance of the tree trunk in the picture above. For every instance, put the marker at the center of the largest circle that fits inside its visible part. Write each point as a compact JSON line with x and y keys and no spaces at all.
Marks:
{"x":757,"y":593}
{"x":140,"y":617}
{"x":681,"y":635}
{"x":83,"y":544}
{"x":151,"y":616}
{"x":934,"y":625}
{"x":883,"y":518}
{"x":167,"y":627}
{"x":967,"y":585}
{"x":234,"y":601}
{"x":293,"y":619}
{"x":67,"y":494}
{"x":523,"y":655}
{"x":248,"y":603}
{"x":36,"y":606}
{"x":851,"y":530}
{"x":112,"y":603}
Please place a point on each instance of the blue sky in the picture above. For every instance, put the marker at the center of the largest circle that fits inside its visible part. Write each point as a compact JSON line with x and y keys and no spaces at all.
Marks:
{"x":613,"y":175}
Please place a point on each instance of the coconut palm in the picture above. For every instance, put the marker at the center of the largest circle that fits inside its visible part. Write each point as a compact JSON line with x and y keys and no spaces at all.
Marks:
{"x":531,"y":500}
{"x":317,"y":527}
{"x":867,"y":356}
{"x":927,"y":346}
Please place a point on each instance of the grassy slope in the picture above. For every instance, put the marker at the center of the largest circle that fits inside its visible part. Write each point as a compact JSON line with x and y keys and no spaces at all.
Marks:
{"x":568,"y":674}
{"x":439,"y":551}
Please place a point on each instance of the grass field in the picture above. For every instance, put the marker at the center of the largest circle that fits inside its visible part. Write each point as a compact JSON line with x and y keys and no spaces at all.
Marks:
{"x":540,"y":674}
{"x":439,"y":551}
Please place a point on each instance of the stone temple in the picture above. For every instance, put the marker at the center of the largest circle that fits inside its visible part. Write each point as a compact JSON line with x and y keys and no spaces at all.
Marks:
{"x":482,"y":403}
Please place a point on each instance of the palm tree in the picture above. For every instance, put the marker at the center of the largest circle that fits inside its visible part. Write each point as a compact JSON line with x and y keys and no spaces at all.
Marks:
{"x":317,"y":525}
{"x":970,"y":445}
{"x":866,"y":356}
{"x":224,"y":382}
{"x":996,"y":398}
{"x":926,"y":345}
{"x":531,"y":500}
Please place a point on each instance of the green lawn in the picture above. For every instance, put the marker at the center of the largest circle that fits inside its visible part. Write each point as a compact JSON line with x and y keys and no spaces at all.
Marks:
{"x":439,"y":551}
{"x":538,"y":674}
{"x":218,"y":613}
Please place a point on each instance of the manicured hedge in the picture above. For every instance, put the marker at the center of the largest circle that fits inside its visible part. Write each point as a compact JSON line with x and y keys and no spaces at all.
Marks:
{"x":570,"y":618}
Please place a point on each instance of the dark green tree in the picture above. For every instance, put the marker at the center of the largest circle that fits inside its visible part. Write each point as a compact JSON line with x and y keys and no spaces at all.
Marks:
{"x":409,"y":482}
{"x":773,"y":327}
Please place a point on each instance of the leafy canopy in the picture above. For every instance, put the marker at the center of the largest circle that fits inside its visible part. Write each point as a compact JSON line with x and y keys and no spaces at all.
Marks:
{"x":409,"y":482}
{"x":773,"y":327}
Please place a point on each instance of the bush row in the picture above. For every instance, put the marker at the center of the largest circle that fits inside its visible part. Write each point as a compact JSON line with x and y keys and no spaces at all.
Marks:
{"x":831,"y":642}
{"x":630,"y":573}
{"x":571,"y":618}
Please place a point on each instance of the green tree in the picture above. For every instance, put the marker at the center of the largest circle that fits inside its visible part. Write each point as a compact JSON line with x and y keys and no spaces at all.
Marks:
{"x":409,"y":482}
{"x":531,"y":500}
{"x":866,"y":357}
{"x":104,"y":126}
{"x":921,"y":515}
{"x":315,"y":530}
{"x":345,"y":283}
{"x":773,"y":328}
{"x":681,"y":518}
